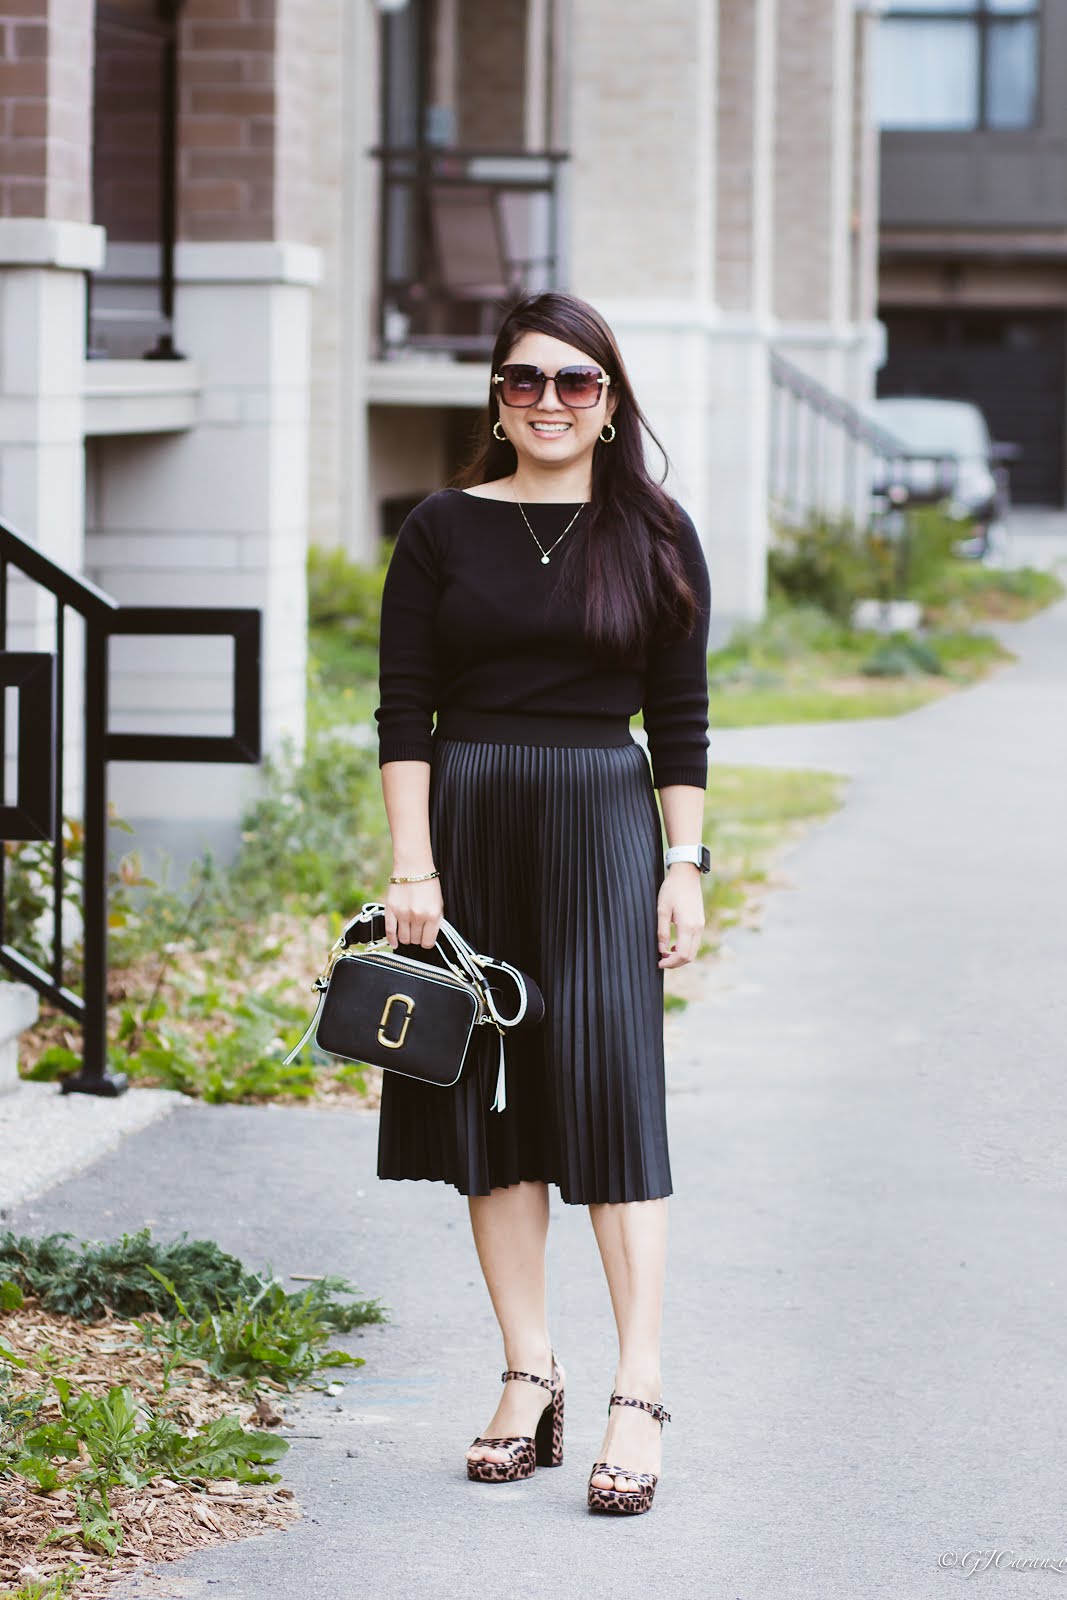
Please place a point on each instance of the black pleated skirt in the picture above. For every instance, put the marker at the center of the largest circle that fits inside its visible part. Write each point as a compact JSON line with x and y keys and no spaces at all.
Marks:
{"x":551,"y":858}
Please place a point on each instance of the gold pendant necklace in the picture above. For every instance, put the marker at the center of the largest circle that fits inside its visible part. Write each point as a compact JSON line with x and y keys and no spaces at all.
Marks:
{"x":546,"y":553}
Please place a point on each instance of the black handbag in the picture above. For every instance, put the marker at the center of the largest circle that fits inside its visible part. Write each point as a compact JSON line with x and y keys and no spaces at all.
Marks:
{"x":416,"y":1014}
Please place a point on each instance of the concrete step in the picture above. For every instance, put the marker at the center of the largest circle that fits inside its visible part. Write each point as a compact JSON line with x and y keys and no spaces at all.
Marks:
{"x":18,"y":1011}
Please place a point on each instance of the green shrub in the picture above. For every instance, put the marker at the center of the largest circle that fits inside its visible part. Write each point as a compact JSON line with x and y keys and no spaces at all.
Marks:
{"x":266,"y":1335}
{"x":345,"y":594}
{"x":315,"y":833}
{"x":829,"y":564}
{"x":902,"y":655}
{"x":137,"y":1275}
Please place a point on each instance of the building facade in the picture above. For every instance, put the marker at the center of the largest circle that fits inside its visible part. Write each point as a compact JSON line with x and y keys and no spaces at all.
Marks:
{"x":972,"y":101}
{"x":252,"y":253}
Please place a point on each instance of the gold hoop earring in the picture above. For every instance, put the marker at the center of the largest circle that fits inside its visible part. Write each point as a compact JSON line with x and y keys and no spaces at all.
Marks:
{"x":607,"y":436}
{"x":502,"y":436}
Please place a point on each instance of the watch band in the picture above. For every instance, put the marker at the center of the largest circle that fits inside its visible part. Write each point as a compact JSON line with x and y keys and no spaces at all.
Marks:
{"x":698,"y":854}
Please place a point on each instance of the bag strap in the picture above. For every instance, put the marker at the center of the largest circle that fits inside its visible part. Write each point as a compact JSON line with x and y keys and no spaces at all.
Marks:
{"x":368,"y":927}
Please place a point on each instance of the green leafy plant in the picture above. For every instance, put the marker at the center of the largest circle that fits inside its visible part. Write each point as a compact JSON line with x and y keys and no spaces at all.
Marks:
{"x":137,"y":1275}
{"x":315,"y":836}
{"x":901,"y":655}
{"x":345,"y":594}
{"x":268,"y":1335}
{"x":58,"y":1587}
{"x":829,"y":564}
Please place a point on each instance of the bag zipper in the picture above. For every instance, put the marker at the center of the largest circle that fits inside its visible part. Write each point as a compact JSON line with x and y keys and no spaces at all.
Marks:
{"x":392,"y":959}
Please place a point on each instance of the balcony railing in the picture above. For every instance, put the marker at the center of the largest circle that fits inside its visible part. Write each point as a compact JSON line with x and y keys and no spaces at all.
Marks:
{"x":461,"y":232}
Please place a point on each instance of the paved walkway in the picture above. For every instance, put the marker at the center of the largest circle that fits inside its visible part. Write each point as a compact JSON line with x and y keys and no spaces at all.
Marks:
{"x":864,"y":1342}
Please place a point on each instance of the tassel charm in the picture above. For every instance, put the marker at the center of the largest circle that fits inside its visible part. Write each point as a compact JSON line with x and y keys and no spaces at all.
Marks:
{"x":500,"y":1099}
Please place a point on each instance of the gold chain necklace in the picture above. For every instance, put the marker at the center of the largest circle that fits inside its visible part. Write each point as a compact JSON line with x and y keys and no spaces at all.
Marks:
{"x":546,"y":553}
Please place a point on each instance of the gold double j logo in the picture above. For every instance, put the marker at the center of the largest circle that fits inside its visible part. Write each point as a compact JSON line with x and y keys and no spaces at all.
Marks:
{"x":401,"y":999}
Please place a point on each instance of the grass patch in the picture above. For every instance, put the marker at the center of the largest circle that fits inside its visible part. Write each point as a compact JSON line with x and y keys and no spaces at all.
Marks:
{"x":750,"y":814}
{"x":962,"y":592}
{"x":802,"y":665}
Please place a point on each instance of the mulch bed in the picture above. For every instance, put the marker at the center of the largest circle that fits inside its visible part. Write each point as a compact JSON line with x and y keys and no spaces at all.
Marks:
{"x":165,"y":1519}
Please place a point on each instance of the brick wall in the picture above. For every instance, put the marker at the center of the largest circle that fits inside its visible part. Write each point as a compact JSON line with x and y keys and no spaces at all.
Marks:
{"x":330,"y":112}
{"x":247,"y":87}
{"x":641,"y":104}
{"x":227,"y":120}
{"x":814,"y":97}
{"x":745,"y":149}
{"x":45,"y":89}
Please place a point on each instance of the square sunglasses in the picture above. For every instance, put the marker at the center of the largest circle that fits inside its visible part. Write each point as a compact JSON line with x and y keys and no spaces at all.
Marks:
{"x":577,"y":387}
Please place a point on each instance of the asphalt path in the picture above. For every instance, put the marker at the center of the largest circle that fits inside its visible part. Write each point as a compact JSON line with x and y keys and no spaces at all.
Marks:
{"x":865,"y":1345}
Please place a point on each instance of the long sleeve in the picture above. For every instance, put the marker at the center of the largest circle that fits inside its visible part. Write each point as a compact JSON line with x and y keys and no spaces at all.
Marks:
{"x":676,"y":685}
{"x":408,"y":680}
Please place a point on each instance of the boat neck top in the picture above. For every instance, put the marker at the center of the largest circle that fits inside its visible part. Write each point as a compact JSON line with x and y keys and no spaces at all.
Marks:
{"x":473,"y":623}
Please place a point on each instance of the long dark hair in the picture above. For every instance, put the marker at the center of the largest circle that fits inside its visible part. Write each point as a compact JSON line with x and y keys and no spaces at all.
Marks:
{"x":634,"y":576}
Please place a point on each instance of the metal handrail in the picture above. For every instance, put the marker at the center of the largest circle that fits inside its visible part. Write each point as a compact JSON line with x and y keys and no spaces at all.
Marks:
{"x":828,"y":404}
{"x":831,"y":448}
{"x":37,"y":813}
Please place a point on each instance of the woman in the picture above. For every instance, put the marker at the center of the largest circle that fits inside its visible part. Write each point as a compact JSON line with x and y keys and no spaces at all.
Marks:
{"x":535,"y":607}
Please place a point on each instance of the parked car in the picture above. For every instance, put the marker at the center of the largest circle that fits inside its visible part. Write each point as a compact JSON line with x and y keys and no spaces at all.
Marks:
{"x":949,"y":456}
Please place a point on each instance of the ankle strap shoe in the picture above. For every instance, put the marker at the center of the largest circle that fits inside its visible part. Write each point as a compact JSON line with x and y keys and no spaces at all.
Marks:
{"x":627,"y":1502}
{"x":526,"y":1453}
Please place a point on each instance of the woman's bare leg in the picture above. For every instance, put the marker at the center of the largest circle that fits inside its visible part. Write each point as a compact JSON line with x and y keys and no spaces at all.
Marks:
{"x":510,"y":1230}
{"x":633,"y":1248}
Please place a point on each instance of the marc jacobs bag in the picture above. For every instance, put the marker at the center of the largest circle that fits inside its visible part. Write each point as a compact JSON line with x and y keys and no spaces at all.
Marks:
{"x":416,"y":1014}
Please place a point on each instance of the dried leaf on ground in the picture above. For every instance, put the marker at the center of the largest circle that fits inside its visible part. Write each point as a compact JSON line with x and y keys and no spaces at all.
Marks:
{"x":164,"y":1519}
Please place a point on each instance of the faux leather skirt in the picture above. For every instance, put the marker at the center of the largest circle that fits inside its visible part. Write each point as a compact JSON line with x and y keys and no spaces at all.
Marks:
{"x":551,"y":858}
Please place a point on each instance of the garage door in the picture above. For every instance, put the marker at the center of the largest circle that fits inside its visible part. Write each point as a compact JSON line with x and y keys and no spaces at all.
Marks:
{"x":1013,"y":364}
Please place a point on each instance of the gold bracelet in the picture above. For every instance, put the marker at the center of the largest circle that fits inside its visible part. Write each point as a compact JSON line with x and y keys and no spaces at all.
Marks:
{"x":420,"y":877}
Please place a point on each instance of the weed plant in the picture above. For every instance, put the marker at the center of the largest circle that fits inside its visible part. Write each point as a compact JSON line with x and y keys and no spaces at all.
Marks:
{"x":59,"y":1587}
{"x":102,"y":1442}
{"x":265,"y":1335}
{"x":137,"y":1275}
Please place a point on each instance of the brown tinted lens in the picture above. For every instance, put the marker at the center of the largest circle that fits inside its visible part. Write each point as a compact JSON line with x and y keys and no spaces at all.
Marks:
{"x":522,"y":386}
{"x":578,"y":386}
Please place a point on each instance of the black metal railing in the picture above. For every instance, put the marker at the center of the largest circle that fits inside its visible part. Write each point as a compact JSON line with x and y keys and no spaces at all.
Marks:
{"x":40,"y":679}
{"x":461,"y":231}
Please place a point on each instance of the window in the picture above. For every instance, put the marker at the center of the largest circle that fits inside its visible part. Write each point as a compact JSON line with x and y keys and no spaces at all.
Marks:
{"x":130,"y":310}
{"x":945,"y":64}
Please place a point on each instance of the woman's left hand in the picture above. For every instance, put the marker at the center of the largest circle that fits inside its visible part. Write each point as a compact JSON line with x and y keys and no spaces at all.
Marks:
{"x":680,"y":901}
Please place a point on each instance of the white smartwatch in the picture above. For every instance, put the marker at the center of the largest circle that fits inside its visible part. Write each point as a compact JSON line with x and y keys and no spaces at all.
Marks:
{"x":698,"y":854}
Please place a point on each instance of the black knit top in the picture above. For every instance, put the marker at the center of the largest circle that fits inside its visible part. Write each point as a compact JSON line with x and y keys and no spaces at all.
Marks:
{"x":472,"y":628}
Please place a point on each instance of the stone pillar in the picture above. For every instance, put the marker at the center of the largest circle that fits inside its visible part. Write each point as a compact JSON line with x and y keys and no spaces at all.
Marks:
{"x":218,"y":515}
{"x":824,"y":194}
{"x":213,"y":517}
{"x":640,"y":200}
{"x":738,"y":444}
{"x":825,"y":264}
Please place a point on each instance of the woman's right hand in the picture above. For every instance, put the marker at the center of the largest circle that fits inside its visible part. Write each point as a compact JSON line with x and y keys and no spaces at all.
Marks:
{"x":413,"y":913}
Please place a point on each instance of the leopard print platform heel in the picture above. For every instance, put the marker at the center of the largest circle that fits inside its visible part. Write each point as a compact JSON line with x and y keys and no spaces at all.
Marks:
{"x":627,"y":1502}
{"x":525,"y":1454}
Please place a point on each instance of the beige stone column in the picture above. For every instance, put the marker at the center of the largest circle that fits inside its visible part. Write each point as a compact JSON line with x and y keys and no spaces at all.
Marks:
{"x":825,"y":178}
{"x":825,"y":161}
{"x":640,"y":214}
{"x":218,"y":515}
{"x":738,"y":440}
